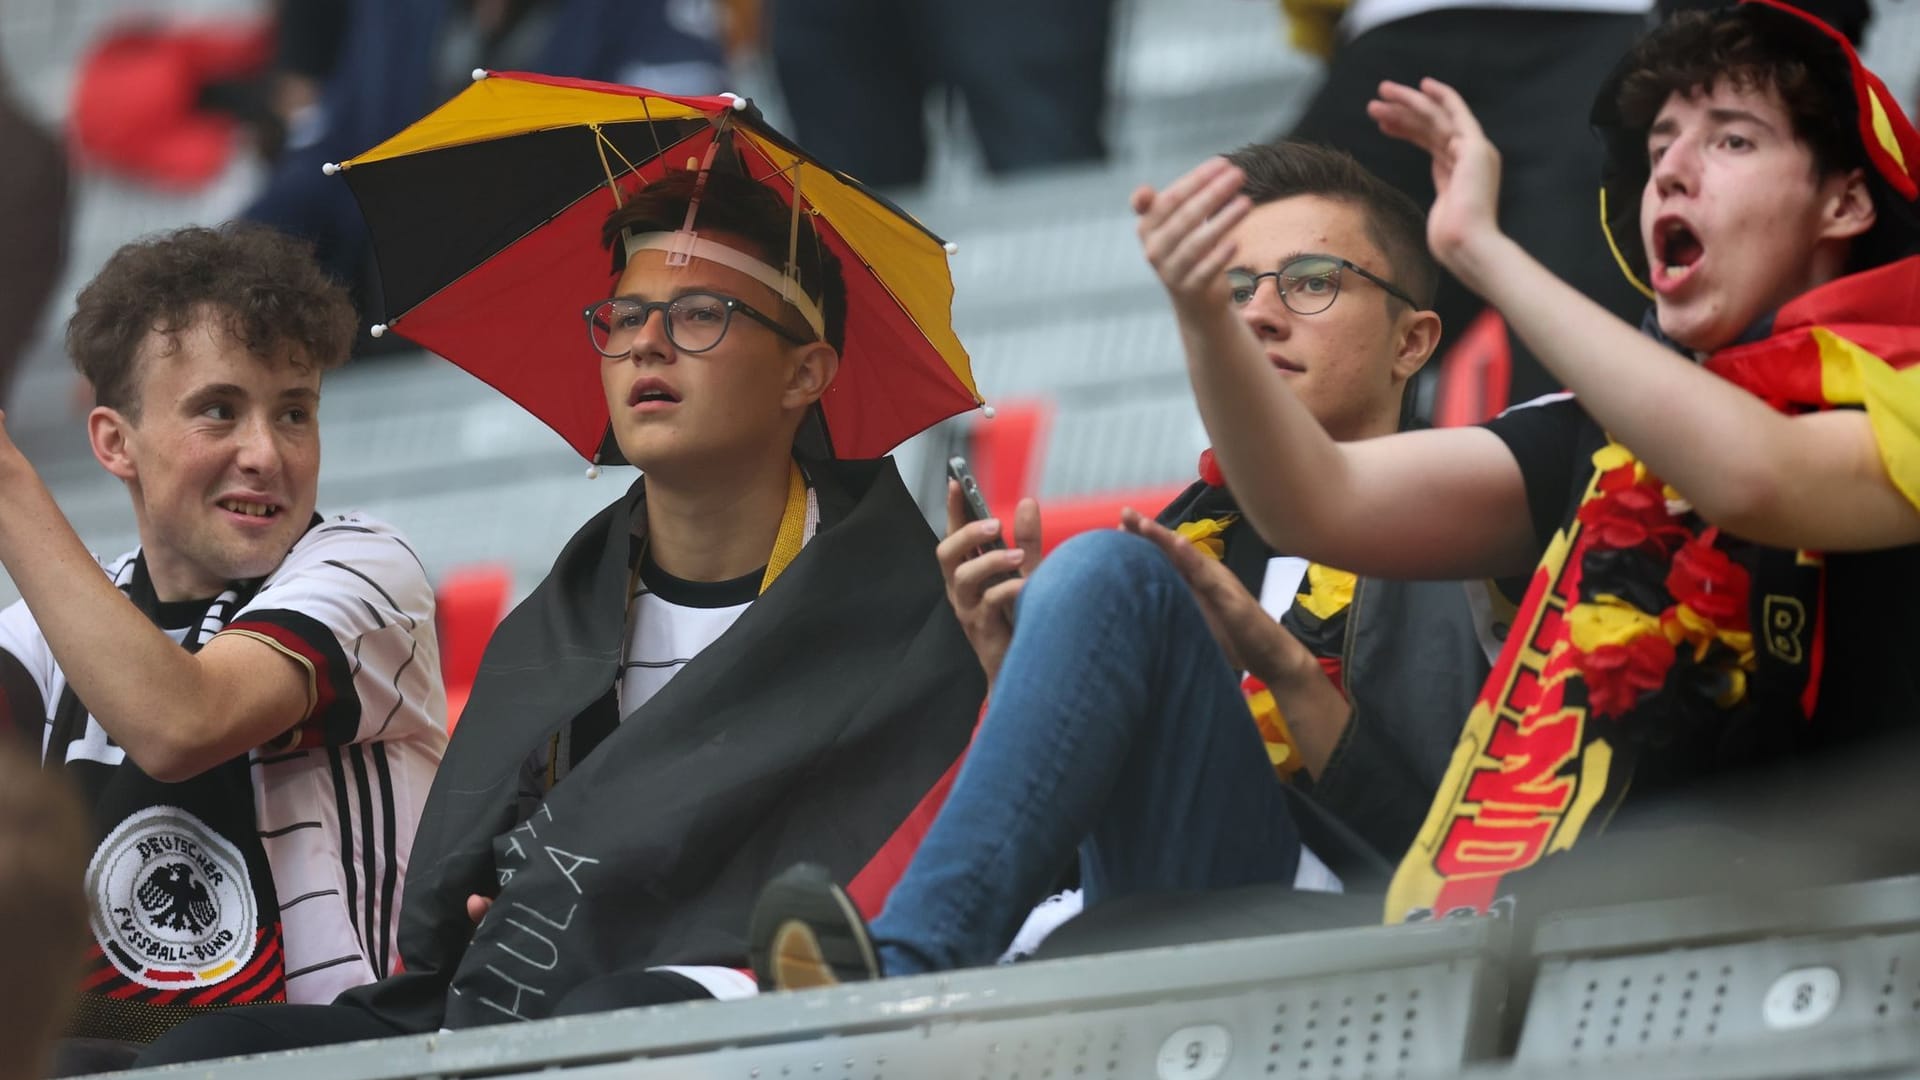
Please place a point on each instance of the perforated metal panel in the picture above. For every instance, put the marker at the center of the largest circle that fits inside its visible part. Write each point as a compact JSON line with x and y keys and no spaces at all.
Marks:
{"x":1364,"y":1030}
{"x":1822,"y":963}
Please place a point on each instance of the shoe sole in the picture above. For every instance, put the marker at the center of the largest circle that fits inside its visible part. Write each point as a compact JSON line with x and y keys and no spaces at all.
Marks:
{"x":799,"y":956}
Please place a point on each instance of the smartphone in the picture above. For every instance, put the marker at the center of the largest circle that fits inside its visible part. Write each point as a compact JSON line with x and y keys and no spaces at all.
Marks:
{"x":976,"y":503}
{"x":976,"y":508}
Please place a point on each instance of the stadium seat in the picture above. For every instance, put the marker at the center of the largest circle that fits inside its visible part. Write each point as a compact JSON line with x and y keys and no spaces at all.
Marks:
{"x":1476,"y":374}
{"x":469,"y":603}
{"x":1008,"y":454}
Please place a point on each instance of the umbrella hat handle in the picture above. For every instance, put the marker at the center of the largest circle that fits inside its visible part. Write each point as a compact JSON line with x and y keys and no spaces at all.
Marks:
{"x":681,"y":252}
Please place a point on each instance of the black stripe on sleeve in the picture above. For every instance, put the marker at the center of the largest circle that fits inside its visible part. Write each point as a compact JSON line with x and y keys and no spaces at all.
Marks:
{"x":368,"y":843}
{"x":22,"y":714}
{"x":416,"y":557}
{"x":390,"y":876}
{"x":384,"y":595}
{"x":399,"y":695}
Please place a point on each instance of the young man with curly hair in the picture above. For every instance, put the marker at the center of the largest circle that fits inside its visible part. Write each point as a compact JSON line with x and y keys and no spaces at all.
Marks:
{"x":250,"y":700}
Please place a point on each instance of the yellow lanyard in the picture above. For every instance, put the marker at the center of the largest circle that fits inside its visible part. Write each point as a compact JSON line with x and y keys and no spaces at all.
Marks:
{"x":793,"y":527}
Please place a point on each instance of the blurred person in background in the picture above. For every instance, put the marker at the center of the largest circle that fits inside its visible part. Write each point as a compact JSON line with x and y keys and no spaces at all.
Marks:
{"x":33,"y":231}
{"x":1528,"y":69}
{"x":43,"y":858}
{"x":395,"y":61}
{"x":249,"y":702}
{"x":855,"y":76}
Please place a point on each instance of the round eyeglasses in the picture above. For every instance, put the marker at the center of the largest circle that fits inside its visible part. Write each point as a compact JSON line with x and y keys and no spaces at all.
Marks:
{"x":695,"y":322}
{"x":1308,"y":284}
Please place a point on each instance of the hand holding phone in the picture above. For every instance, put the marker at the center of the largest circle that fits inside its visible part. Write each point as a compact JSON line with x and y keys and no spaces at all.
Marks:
{"x":975,"y":503}
{"x":978,"y":565}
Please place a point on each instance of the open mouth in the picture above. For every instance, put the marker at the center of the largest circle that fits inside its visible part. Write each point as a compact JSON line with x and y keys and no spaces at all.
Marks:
{"x":650,"y":390}
{"x":1678,"y":251}
{"x":247,"y":508}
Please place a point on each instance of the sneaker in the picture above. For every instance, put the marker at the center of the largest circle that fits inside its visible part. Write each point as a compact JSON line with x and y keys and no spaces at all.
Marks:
{"x":806,"y":932}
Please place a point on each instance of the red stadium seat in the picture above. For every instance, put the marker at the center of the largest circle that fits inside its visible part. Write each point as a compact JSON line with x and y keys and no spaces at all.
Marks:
{"x":1007,"y":454}
{"x":1476,"y":374}
{"x":470,"y":602}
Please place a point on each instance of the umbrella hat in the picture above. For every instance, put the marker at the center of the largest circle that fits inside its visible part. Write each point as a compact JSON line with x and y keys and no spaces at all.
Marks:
{"x":486,"y":220}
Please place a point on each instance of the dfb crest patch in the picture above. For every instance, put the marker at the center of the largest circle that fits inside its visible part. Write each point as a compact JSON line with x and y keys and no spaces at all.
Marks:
{"x":173,"y":907}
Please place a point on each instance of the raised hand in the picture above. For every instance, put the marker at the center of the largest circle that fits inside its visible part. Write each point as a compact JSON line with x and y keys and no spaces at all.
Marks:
{"x":982,"y":585}
{"x":1466,"y":167}
{"x":1183,"y":232}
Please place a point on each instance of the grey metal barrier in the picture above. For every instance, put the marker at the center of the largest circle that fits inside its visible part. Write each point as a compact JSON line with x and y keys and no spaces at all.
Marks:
{"x":1375,"y":1002}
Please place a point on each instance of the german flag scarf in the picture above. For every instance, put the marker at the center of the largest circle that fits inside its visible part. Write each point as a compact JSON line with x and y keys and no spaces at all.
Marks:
{"x":1642,"y":648}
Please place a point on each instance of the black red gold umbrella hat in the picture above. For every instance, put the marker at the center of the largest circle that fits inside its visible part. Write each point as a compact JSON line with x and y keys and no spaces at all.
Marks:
{"x":486,"y":214}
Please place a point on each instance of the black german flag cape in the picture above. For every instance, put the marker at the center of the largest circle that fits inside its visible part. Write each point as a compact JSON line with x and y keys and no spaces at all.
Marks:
{"x":822,"y":726}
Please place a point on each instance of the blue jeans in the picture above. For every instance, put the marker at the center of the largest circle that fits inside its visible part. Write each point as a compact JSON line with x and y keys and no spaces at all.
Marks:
{"x":1116,"y":727}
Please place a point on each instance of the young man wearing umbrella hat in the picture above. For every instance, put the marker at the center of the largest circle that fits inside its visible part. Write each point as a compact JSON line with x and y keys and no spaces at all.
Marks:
{"x":1715,"y":522}
{"x":745,"y":660}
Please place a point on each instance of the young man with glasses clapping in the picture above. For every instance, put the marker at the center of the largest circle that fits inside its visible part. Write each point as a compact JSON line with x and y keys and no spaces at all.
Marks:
{"x":1118,"y":720}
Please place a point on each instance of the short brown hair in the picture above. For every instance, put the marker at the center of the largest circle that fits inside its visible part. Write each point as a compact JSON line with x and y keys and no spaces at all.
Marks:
{"x":732,"y":203}
{"x":43,"y":860}
{"x":1285,"y":168}
{"x":1749,"y":50}
{"x":263,"y":286}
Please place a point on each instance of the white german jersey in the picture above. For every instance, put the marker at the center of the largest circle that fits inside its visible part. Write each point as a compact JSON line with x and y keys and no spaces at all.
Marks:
{"x":178,"y":922}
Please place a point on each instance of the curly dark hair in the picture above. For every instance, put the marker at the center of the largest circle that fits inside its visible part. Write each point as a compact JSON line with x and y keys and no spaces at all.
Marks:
{"x":263,"y":287}
{"x":1749,"y":48}
{"x":1285,"y":168}
{"x":734,"y":204}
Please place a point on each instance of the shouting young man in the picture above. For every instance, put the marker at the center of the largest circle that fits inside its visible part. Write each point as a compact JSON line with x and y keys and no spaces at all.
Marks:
{"x":250,"y":701}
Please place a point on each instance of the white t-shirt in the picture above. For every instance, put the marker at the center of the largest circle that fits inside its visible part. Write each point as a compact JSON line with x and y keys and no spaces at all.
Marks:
{"x":672,"y":622}
{"x":1363,"y":15}
{"x":337,"y":799}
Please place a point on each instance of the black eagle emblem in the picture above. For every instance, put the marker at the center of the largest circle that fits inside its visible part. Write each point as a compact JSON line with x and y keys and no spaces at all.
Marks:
{"x":175,"y":898}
